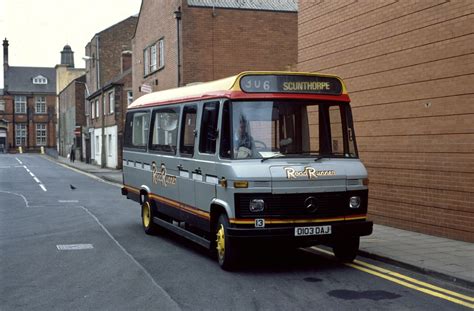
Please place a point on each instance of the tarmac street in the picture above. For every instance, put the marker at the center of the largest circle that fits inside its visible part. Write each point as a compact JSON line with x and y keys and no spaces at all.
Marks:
{"x":70,"y":241}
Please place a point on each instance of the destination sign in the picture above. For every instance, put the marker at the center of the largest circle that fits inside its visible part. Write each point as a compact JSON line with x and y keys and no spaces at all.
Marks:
{"x":290,"y":84}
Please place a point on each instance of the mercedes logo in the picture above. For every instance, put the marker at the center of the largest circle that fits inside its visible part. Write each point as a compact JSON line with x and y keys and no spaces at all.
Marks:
{"x":311,"y":204}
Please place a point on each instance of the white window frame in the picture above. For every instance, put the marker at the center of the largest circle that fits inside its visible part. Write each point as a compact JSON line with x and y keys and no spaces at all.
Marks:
{"x":92,"y":110}
{"x":129,"y":98}
{"x":153,"y":58}
{"x":161,"y":53}
{"x":40,"y":80}
{"x":41,"y":134}
{"x":146,"y":61}
{"x":110,"y":145}
{"x":21,"y":134}
{"x":40,"y":104}
{"x":96,"y":108}
{"x":2,"y":105}
{"x":20,"y":104}
{"x":111,"y":102}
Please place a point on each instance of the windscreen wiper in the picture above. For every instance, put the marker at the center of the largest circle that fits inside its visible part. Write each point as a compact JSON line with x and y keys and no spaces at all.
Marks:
{"x":273,"y":157}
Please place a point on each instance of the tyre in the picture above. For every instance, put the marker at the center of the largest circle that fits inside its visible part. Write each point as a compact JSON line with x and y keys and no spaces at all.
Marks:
{"x":147,"y":219}
{"x":226,"y":252}
{"x":346,"y":249}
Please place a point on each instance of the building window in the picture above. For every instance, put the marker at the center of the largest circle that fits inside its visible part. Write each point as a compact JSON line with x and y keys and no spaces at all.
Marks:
{"x":129,"y":98}
{"x":20,"y":134}
{"x":110,"y":145}
{"x":40,"y":80}
{"x":146,"y":61}
{"x":111,"y":102}
{"x":161,"y":52}
{"x":96,"y":108}
{"x":20,"y":104}
{"x":153,"y":58}
{"x":92,"y":110}
{"x":41,"y":134}
{"x":2,"y":105}
{"x":40,"y":104}
{"x":97,"y":147}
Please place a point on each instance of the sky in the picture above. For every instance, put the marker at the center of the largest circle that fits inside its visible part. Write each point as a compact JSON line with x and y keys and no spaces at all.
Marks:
{"x":37,"y":30}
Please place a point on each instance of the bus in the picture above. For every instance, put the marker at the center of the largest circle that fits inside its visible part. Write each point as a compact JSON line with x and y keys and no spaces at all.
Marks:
{"x":258,"y":157}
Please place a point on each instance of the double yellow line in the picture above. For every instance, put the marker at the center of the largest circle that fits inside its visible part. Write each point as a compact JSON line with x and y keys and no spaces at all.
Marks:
{"x":409,"y":282}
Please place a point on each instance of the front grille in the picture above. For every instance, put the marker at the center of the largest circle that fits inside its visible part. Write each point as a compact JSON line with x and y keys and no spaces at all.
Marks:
{"x":329,"y":204}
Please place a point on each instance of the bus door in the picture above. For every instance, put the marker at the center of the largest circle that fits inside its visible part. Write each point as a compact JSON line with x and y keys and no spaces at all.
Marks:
{"x":205,"y":185}
{"x":187,"y":168}
{"x":163,"y":161}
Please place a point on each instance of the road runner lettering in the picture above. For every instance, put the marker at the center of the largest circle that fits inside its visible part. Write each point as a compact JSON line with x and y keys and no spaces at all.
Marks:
{"x":309,"y":172}
{"x":161,"y":176}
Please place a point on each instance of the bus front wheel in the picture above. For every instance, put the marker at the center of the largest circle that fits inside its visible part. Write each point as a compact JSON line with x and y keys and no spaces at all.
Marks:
{"x":226,"y":253}
{"x":346,"y":249}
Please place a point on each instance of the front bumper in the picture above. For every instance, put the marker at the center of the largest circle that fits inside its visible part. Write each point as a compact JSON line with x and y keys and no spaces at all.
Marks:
{"x":338,"y":230}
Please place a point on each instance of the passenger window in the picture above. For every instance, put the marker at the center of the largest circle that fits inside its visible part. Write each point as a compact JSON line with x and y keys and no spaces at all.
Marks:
{"x":225,"y":147}
{"x":188,"y":130}
{"x":165,"y":130}
{"x":209,"y":133}
{"x":136,"y":129}
{"x":337,"y":139}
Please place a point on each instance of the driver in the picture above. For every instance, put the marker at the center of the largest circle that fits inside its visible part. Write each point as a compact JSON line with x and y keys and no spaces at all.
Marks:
{"x":244,"y":141}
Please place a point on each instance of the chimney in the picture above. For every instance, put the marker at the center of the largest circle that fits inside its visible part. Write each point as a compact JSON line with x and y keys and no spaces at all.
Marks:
{"x":126,"y":60}
{"x":5,"y":62}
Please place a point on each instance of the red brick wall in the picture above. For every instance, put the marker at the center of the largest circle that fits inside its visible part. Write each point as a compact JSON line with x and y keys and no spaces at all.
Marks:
{"x":409,"y":69}
{"x":156,"y":21}
{"x":231,"y":41}
{"x":212,"y":46}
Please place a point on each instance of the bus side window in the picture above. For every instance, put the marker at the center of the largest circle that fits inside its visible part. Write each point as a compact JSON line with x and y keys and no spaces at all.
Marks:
{"x":225,"y":147}
{"x":209,"y":133}
{"x":188,"y":130}
{"x":136,"y":129}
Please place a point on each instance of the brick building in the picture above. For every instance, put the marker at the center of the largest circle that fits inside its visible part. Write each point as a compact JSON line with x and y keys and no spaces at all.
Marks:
{"x":409,"y":69}
{"x":65,"y":74}
{"x":28,"y":118}
{"x":72,"y":117}
{"x":216,"y":39}
{"x":108,"y":76}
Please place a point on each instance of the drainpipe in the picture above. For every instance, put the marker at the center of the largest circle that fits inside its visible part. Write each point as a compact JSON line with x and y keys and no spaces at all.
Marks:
{"x":177,"y":15}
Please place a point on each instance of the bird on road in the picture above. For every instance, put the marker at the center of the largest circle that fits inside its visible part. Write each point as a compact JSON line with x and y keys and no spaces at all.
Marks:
{"x":72,"y":187}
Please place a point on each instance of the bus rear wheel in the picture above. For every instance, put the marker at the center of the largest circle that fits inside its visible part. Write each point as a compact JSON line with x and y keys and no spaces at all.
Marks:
{"x":226,"y":253}
{"x":346,"y":249}
{"x":147,"y":219}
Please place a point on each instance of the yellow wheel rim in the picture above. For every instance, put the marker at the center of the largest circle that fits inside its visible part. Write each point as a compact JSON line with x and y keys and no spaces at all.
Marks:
{"x":146,"y":214}
{"x":221,"y":241}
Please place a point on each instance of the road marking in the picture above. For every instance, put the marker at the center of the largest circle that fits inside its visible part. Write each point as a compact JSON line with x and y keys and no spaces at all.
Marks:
{"x":35,"y":178}
{"x":74,"y":247}
{"x":68,"y":201}
{"x":399,"y":279}
{"x":18,"y":160}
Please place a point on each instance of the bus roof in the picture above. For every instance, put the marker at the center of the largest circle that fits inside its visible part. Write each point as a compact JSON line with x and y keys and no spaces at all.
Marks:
{"x":252,"y":83}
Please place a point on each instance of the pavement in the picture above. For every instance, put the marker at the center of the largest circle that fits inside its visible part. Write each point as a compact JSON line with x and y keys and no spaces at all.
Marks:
{"x":439,"y":257}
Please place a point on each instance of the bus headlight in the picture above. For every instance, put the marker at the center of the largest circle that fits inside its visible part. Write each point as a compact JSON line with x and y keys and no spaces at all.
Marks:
{"x":257,"y":205}
{"x":354,"y":202}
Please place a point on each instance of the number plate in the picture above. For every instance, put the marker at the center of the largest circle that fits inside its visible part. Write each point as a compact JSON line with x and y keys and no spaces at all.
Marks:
{"x":315,"y":230}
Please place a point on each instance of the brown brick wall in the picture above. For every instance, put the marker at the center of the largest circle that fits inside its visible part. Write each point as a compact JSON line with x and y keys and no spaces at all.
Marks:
{"x":409,"y":69}
{"x":156,"y":21}
{"x":212,"y":46}
{"x":231,"y":41}
{"x":112,"y":42}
